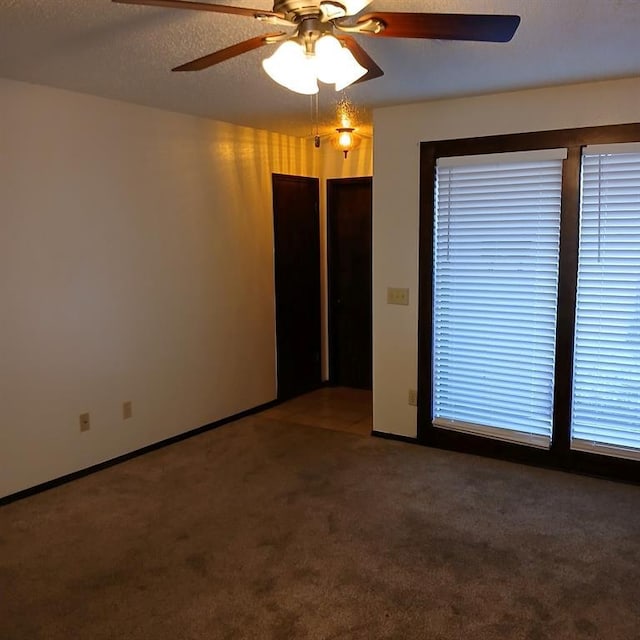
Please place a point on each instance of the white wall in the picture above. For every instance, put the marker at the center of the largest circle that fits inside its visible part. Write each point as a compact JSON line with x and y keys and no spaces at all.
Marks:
{"x":398,"y":132}
{"x":136,"y":263}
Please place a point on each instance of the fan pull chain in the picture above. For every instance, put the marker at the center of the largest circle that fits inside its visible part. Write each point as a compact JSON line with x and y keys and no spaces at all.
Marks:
{"x":316,"y":119}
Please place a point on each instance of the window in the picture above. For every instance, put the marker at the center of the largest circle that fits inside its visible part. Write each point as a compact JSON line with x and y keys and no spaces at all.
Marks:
{"x":529,"y":332}
{"x":606,"y":381}
{"x":497,"y":234}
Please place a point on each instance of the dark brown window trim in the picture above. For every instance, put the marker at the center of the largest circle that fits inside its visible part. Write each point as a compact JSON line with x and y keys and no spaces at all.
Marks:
{"x":559,"y":456}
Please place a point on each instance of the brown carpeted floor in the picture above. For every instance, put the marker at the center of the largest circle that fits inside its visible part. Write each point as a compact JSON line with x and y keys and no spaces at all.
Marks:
{"x":269,"y":529}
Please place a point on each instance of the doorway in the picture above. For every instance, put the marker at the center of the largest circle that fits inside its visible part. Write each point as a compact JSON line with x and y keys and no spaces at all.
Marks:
{"x":296,"y":226}
{"x":349,"y":281}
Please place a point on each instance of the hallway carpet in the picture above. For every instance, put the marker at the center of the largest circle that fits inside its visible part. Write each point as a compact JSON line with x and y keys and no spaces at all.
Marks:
{"x":264,"y":529}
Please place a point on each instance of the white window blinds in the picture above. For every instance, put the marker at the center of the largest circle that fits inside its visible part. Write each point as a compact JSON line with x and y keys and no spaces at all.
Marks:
{"x":606,"y":384}
{"x":496,"y":249}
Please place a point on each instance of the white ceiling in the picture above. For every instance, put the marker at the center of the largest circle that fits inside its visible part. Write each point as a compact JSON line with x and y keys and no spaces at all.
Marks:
{"x":126,"y":52}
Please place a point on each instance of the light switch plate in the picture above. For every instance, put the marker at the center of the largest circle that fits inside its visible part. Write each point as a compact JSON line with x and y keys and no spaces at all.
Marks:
{"x":397,"y":295}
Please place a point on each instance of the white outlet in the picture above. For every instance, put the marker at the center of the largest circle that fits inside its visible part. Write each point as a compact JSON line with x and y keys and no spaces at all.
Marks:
{"x":397,"y":295}
{"x":413,"y":397}
{"x":127,"y":409}
{"x":85,"y":423}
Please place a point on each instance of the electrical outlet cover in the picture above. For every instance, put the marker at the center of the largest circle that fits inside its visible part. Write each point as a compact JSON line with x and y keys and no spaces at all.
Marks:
{"x":85,"y":423}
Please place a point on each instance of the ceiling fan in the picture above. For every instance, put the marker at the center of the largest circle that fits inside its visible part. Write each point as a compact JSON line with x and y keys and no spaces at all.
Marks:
{"x":319,"y":45}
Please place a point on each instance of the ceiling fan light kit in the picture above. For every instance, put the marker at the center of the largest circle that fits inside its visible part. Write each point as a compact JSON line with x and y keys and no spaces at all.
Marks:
{"x":299,"y":66}
{"x":321,"y":47}
{"x":290,"y":67}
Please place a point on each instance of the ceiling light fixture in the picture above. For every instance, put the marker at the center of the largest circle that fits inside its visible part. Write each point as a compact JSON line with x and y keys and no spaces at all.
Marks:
{"x":311,"y":56}
{"x":346,"y":140}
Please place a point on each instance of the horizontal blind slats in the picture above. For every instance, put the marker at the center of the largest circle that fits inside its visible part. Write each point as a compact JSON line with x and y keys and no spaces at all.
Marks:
{"x":606,"y":385}
{"x":496,"y":241}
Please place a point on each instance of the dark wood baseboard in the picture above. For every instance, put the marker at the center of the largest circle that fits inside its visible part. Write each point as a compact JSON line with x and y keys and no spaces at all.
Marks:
{"x":394,"y":436}
{"x":586,"y":464}
{"x":577,"y":462}
{"x":56,"y":482}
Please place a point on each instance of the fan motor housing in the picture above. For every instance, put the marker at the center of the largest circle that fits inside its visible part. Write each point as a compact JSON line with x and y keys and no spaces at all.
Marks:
{"x":294,"y":10}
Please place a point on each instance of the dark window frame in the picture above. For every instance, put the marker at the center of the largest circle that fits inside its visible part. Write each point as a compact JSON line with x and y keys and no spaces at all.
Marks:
{"x":559,"y":456}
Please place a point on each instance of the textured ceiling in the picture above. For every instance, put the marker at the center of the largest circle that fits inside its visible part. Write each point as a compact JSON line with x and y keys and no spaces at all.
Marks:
{"x":126,"y":52}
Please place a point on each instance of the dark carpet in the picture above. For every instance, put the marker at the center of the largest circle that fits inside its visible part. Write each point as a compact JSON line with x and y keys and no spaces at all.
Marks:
{"x":262,"y":529}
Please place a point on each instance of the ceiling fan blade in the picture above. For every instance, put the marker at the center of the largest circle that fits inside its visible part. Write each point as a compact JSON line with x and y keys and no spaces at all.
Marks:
{"x":203,"y":6}
{"x":230,"y":52}
{"x":444,"y":26}
{"x":363,"y":58}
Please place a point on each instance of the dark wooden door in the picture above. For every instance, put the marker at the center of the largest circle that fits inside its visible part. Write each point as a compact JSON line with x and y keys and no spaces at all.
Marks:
{"x":349,"y":268}
{"x":297,"y":281}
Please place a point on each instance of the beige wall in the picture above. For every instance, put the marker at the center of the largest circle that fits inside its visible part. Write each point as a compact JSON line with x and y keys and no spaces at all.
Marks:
{"x":136,"y":263}
{"x":398,"y":132}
